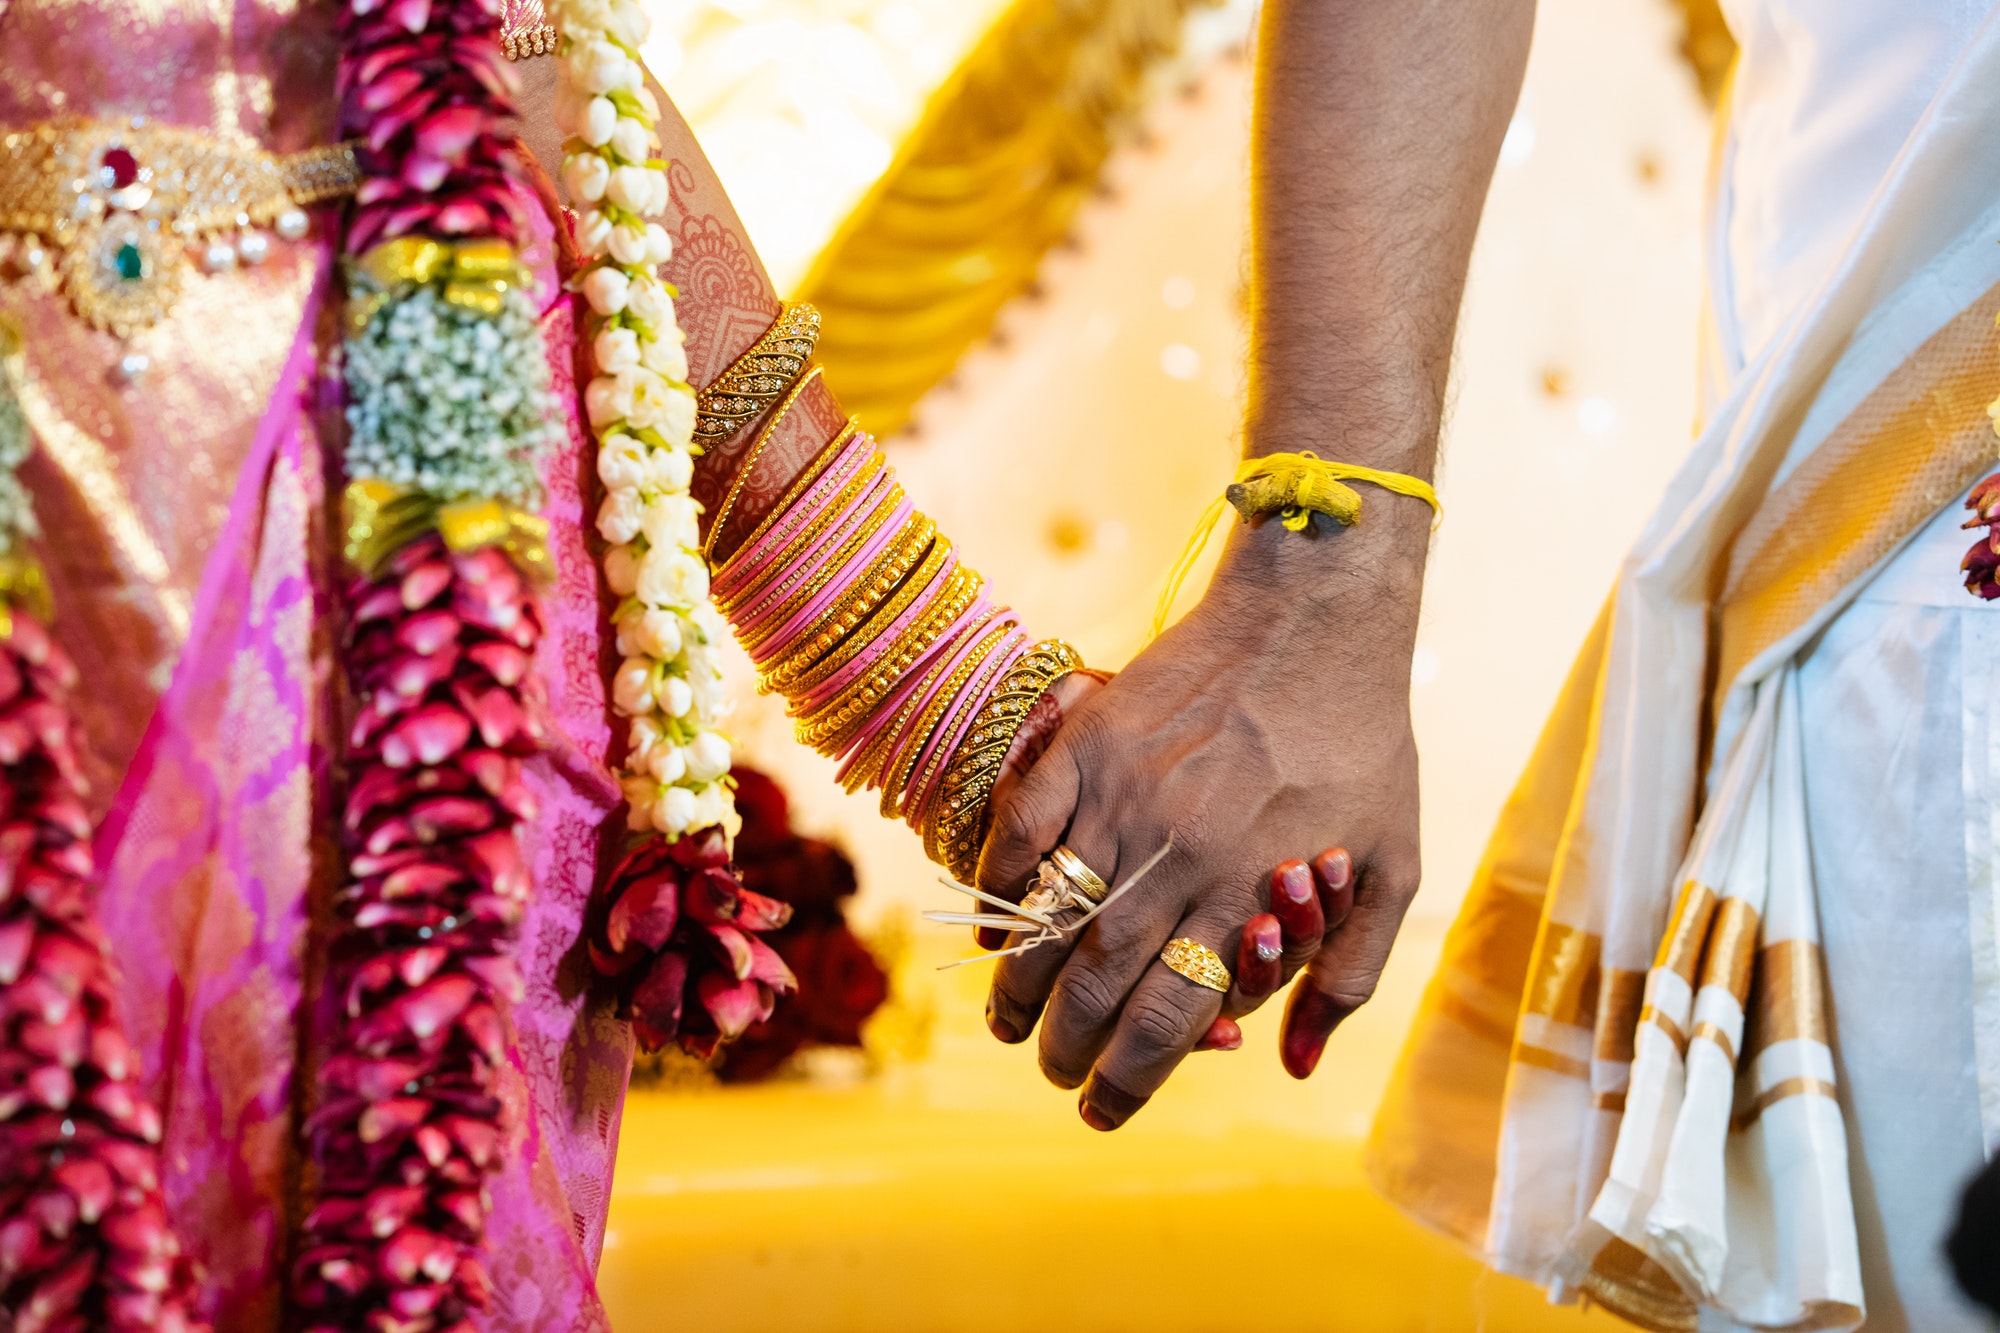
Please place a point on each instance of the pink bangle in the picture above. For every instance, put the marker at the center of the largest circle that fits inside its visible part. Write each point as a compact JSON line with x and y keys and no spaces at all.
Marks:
{"x":958,"y":720}
{"x":786,"y":635}
{"x":946,"y":654}
{"x":751,"y":617}
{"x":883,"y":643}
{"x":956,"y":644}
{"x":748,"y":561}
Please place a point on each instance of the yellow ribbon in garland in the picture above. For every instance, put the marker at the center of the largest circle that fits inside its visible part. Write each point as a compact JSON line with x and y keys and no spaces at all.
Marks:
{"x":381,"y":519}
{"x":1294,"y":487}
{"x":475,"y":274}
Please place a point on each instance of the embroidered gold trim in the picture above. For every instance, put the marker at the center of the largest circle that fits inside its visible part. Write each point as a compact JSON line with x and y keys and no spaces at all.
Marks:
{"x":124,"y":202}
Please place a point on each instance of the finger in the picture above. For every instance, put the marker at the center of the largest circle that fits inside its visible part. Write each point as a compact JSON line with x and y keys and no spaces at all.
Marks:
{"x":1222,"y":1035}
{"x":1108,"y":961}
{"x":1296,"y":904}
{"x":1259,"y":964}
{"x":1343,"y":974}
{"x":1164,"y":1018}
{"x":1022,"y":984}
{"x":1333,"y":872}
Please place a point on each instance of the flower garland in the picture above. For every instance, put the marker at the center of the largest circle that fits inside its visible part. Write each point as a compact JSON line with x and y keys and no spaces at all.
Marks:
{"x":673,"y":928}
{"x":85,"y":1241}
{"x":450,"y":412}
{"x":640,"y":406}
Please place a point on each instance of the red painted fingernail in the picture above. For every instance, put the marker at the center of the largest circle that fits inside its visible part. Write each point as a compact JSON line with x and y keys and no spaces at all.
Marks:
{"x":1222,"y":1035}
{"x":1258,"y":969}
{"x":1292,"y":879}
{"x":1295,"y":903}
{"x":1095,"y":1118}
{"x":1334,"y":869}
{"x":1310,"y":1019}
{"x":988,"y":938}
{"x":1001,"y":1028}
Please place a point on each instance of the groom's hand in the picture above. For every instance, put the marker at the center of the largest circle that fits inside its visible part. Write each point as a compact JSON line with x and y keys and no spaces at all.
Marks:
{"x":1270,"y":724}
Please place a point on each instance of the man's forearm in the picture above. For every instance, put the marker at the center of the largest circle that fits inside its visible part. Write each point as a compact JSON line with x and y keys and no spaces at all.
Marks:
{"x":1375,"y":133}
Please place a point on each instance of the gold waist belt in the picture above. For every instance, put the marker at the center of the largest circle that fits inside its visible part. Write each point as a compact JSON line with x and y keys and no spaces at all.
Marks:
{"x":118,"y":211}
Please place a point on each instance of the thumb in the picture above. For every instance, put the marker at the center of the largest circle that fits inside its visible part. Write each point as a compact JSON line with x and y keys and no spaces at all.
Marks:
{"x":1036,"y":792}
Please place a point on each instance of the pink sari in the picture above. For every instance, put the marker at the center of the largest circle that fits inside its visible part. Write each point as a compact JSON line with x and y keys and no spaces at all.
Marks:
{"x":190,"y":546}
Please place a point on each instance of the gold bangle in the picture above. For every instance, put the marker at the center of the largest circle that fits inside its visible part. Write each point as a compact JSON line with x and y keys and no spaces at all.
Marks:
{"x":828,"y":727}
{"x":785,"y":562}
{"x":793,"y":493}
{"x":1198,"y":963}
{"x":810,"y":584}
{"x":764,"y":437}
{"x":804,"y":674}
{"x":968,"y":782}
{"x":868,"y":762}
{"x":928,"y":781}
{"x":902,"y":782}
{"x":757,"y":378}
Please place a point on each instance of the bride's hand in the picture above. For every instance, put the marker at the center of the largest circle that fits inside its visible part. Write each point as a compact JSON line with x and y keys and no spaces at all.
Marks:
{"x":1270,"y":723}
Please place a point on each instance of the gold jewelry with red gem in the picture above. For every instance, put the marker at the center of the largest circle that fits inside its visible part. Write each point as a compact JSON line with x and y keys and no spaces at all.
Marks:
{"x":128,"y":208}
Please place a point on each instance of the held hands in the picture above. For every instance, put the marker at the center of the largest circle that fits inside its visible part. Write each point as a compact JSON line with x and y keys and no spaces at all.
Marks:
{"x":1269,"y":724}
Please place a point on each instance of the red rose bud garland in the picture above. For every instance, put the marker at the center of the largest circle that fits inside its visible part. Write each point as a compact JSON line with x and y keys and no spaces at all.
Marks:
{"x":426,"y":83}
{"x":408,"y":1128}
{"x":84,"y":1237}
{"x":449,"y":414}
{"x":1982,"y":562}
{"x":675,"y":932}
{"x":85,"y":1242}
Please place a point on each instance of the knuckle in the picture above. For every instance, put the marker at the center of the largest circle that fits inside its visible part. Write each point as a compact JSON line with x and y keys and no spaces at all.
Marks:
{"x":1160,"y":1027}
{"x":1084,"y":999}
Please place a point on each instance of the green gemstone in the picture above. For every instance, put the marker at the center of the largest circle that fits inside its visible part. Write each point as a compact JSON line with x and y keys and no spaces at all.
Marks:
{"x":131,"y":264}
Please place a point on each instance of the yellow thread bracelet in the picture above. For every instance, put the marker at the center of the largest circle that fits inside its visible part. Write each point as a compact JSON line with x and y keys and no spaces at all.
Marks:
{"x":1295,"y":487}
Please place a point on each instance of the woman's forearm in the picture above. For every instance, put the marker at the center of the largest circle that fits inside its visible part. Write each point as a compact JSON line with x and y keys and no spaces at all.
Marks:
{"x":726,"y":302}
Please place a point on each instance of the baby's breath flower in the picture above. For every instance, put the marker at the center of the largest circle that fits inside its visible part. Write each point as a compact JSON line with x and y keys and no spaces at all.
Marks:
{"x":449,"y":400}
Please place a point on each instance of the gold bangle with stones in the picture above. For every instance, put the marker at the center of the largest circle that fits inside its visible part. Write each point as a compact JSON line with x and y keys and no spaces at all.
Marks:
{"x":802,"y":674}
{"x":927,"y":781}
{"x":810,"y":584}
{"x":901,"y":781}
{"x":764,"y":438}
{"x":828,"y":726}
{"x":785,"y":562}
{"x":869,"y":760}
{"x":758,"y":378}
{"x":968,"y":781}
{"x":793,"y":493}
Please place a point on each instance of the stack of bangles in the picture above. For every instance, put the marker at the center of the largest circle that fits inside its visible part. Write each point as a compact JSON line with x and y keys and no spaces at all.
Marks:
{"x":858,"y":610}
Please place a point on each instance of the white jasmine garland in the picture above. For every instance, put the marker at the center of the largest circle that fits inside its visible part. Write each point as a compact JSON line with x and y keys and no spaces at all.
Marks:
{"x":669,"y":682}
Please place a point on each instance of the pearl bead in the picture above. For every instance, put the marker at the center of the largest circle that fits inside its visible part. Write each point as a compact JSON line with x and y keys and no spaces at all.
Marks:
{"x":292,"y":224}
{"x":131,"y":366}
{"x":218,"y":257}
{"x":253,"y":247}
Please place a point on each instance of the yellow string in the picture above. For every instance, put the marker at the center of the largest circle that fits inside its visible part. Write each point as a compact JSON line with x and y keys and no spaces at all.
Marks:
{"x":1295,"y":487}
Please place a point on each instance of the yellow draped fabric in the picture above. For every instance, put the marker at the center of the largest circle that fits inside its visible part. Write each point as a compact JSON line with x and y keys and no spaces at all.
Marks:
{"x":989,"y":179}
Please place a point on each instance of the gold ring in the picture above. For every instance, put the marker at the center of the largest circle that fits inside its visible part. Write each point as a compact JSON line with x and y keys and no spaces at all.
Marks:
{"x":1197,"y":962}
{"x":1087,"y":881}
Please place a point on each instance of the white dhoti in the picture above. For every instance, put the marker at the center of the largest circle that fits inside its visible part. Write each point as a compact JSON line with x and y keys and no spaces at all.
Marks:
{"x":1716,"y":1039}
